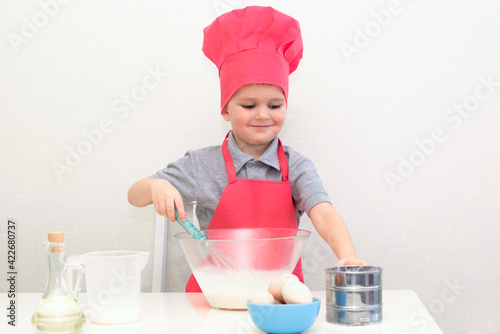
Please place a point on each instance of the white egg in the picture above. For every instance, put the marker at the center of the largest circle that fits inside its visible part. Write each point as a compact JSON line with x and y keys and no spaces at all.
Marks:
{"x":276,"y":285}
{"x":296,"y":293}
{"x":262,"y":297}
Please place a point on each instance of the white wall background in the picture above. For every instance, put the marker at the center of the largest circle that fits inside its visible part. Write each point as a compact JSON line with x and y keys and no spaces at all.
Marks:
{"x":417,"y":75}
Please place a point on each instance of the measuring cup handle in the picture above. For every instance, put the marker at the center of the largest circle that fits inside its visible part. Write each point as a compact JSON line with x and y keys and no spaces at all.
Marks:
{"x":70,"y":268}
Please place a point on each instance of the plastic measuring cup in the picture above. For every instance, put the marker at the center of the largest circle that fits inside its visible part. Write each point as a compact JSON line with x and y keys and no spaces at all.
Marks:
{"x":113,"y":280}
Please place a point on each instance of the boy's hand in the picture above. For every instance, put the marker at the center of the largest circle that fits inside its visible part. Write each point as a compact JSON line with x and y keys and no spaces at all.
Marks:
{"x":351,"y":261}
{"x":166,"y":198}
{"x":333,"y":230}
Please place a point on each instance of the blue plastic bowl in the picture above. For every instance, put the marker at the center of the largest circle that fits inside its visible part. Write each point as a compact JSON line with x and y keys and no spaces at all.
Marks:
{"x":284,"y":318}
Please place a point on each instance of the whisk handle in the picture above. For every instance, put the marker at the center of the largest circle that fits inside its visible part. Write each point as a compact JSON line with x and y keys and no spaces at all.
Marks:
{"x":189,"y":227}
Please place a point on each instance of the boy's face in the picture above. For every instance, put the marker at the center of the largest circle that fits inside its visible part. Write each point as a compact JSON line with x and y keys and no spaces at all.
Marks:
{"x":257,"y":113}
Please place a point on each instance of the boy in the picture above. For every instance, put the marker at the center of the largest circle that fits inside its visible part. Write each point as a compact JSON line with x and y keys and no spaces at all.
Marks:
{"x":251,"y":180}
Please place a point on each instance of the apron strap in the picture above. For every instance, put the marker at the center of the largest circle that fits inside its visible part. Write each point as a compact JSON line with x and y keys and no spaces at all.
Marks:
{"x":231,"y":172}
{"x":282,"y":160}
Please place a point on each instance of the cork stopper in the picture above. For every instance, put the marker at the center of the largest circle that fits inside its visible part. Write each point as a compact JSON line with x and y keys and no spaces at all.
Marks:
{"x":56,"y":237}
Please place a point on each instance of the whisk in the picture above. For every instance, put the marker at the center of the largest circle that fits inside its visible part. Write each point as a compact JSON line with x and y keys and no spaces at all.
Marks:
{"x":220,"y":259}
{"x":190,"y":228}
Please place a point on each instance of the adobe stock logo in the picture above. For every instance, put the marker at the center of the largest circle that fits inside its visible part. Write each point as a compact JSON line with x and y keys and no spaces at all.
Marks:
{"x":421,"y":319}
{"x":371,"y":30}
{"x":117,"y":286}
{"x":121,"y":108}
{"x":224,"y":6}
{"x":427,"y":146}
{"x":31,"y":27}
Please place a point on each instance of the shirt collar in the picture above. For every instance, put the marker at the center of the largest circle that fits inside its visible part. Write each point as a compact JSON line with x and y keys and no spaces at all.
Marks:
{"x":269,"y":157}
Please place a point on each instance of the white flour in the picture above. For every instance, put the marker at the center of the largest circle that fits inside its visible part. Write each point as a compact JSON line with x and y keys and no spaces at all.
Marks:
{"x":231,"y":289}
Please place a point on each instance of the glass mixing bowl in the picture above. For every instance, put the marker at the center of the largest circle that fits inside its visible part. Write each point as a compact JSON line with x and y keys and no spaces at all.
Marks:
{"x":232,"y":264}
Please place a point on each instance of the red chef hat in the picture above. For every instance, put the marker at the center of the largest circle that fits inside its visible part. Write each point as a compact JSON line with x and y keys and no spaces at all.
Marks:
{"x":253,"y":45}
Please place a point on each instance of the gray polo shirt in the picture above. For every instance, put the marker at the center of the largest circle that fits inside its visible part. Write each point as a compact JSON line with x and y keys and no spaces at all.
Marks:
{"x":201,"y":176}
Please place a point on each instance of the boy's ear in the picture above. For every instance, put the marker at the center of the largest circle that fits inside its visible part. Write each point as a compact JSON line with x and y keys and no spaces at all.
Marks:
{"x":225,"y":113}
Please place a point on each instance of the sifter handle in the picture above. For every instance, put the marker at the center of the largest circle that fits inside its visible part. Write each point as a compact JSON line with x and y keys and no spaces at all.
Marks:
{"x":189,"y":227}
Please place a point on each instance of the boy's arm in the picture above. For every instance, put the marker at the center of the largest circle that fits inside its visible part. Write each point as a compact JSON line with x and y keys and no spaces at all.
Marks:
{"x":331,"y":227}
{"x":159,"y":192}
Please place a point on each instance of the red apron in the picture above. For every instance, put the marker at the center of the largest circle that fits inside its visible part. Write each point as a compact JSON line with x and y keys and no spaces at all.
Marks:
{"x":266,"y":204}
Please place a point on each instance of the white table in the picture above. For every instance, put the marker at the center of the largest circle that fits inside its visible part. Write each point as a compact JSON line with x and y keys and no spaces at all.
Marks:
{"x":403,"y":313}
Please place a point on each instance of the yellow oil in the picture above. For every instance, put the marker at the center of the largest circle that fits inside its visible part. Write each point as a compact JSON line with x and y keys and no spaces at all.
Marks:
{"x":58,"y":315}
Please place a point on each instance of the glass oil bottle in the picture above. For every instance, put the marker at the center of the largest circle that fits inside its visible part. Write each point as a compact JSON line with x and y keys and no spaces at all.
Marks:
{"x":58,"y":311}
